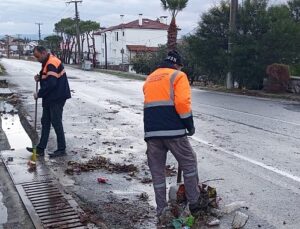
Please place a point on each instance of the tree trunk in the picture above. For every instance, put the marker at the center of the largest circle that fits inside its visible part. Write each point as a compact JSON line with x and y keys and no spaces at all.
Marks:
{"x":82,"y":42}
{"x":72,"y":46}
{"x":172,"y":35}
{"x":68,"y":51}
{"x":94,"y":51}
{"x":61,"y":47}
{"x":88,"y":45}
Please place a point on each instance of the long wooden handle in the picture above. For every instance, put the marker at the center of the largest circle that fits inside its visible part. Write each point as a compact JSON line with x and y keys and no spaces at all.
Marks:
{"x":36,"y":103}
{"x":179,"y":175}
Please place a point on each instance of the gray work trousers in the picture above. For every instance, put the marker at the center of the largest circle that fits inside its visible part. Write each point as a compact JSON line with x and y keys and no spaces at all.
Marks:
{"x":157,"y":155}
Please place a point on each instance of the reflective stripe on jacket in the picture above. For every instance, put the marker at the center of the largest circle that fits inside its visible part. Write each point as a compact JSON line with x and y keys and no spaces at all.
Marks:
{"x":167,"y":104}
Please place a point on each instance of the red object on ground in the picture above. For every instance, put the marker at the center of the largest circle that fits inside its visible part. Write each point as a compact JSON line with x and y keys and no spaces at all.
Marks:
{"x":102,"y":180}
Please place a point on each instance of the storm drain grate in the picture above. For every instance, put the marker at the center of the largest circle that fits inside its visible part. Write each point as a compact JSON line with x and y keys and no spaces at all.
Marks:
{"x":51,"y":206}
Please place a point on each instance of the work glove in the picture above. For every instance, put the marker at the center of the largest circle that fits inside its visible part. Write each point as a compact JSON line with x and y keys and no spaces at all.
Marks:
{"x":191,"y":132}
{"x":35,"y":96}
{"x":37,"y":78}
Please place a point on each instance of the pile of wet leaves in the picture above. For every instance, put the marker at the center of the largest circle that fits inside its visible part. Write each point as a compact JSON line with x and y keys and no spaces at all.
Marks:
{"x":96,"y":163}
{"x":177,"y":214}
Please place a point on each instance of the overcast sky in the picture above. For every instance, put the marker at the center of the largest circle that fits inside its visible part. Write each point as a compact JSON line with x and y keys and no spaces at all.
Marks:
{"x":19,"y":16}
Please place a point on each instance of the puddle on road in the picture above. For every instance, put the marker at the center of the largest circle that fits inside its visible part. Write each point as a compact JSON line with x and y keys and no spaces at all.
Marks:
{"x":16,"y":135}
{"x":293,"y":107}
{"x":17,"y":139}
{"x":3,"y":211}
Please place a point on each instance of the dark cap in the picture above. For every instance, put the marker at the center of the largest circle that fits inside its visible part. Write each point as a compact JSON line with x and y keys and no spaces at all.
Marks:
{"x":174,"y":58}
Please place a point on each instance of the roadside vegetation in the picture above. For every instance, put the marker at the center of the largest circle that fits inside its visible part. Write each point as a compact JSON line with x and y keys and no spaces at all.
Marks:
{"x":266,"y":34}
{"x":2,"y":70}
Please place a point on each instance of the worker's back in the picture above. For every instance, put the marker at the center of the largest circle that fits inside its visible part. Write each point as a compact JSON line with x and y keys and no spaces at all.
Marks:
{"x":157,"y":86}
{"x":161,"y":118}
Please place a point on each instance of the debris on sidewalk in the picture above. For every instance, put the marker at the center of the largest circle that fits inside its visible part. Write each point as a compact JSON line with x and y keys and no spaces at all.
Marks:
{"x":96,"y":163}
{"x":89,"y":217}
{"x":211,"y":222}
{"x":102,"y":180}
{"x":14,"y":99}
{"x":132,"y":174}
{"x":128,"y":178}
{"x":170,"y":171}
{"x":146,"y":180}
{"x":233,"y":206}
{"x":180,"y":214}
{"x":144,"y":196}
{"x":239,"y":221}
{"x":177,"y":214}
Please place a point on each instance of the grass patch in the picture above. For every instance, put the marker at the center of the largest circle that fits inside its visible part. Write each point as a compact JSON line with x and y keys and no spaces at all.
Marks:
{"x":122,"y":74}
{"x":253,"y":93}
{"x":2,"y":70}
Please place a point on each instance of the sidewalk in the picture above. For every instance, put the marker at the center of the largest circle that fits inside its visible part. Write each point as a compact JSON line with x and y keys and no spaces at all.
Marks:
{"x":252,"y":93}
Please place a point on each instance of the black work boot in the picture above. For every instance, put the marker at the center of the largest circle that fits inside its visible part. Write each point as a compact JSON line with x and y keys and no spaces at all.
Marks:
{"x":200,"y":207}
{"x":39,"y":151}
{"x":58,"y":153}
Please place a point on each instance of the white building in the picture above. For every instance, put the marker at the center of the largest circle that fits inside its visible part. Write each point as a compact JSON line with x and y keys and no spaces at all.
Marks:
{"x":28,"y":47}
{"x":3,"y":48}
{"x":125,"y":40}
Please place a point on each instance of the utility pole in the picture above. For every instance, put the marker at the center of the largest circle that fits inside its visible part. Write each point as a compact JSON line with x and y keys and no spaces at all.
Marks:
{"x":122,"y":37}
{"x":105,"y":40}
{"x":77,"y":27}
{"x":19,"y":46}
{"x":232,"y":30}
{"x":40,"y":35}
{"x":8,"y":45}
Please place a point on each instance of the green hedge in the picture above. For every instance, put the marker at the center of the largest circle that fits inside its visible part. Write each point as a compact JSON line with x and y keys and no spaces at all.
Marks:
{"x":295,"y":70}
{"x":2,"y":70}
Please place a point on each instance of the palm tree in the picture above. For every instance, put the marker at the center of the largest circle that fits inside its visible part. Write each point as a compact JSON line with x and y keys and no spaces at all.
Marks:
{"x":174,"y":6}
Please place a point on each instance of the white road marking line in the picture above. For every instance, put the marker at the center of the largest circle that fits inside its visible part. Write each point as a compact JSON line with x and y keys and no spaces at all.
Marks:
{"x":270,"y":168}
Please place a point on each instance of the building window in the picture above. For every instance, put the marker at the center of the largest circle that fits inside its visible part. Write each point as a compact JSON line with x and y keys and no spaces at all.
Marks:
{"x":123,"y":33}
{"x":117,"y":36}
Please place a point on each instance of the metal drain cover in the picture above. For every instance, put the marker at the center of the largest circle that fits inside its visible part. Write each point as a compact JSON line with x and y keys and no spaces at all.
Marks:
{"x":47,"y":204}
{"x":50,"y":205}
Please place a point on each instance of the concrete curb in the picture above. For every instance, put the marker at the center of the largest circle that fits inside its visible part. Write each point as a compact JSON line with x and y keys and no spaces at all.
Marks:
{"x":253,"y":94}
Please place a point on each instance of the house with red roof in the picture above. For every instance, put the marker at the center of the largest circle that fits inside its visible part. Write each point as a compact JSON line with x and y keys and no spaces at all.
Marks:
{"x":119,"y":44}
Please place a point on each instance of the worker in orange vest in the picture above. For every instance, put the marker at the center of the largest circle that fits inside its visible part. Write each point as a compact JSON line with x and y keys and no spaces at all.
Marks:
{"x":54,"y":91}
{"x":168,"y":120}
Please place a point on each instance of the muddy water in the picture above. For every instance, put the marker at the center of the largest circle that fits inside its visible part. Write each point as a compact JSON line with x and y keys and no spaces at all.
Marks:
{"x":3,"y":209}
{"x":17,"y":139}
{"x":3,"y":212}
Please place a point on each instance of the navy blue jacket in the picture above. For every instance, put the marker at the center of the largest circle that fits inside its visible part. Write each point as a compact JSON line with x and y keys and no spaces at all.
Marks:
{"x":54,"y":85}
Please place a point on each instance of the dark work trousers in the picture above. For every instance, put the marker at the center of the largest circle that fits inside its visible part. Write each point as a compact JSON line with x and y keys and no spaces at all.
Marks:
{"x":52,"y":115}
{"x":157,"y":155}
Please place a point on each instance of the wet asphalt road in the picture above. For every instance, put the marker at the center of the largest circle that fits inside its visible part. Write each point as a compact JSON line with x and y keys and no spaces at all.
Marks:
{"x":253,"y":144}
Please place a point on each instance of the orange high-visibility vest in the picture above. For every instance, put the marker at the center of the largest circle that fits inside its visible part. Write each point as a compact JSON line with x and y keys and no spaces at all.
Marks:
{"x":56,"y":63}
{"x":167,"y":104}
